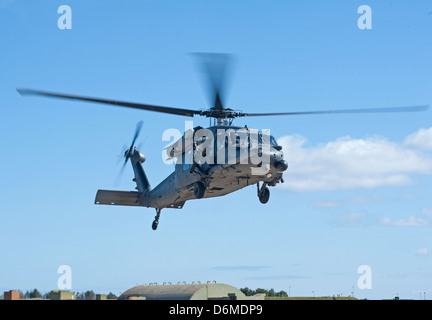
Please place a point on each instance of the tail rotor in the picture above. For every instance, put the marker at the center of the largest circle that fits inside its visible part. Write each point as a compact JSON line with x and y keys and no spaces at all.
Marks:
{"x":129,"y":151}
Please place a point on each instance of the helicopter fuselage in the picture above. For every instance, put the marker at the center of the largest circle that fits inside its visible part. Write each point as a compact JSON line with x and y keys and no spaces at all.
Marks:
{"x":220,"y":175}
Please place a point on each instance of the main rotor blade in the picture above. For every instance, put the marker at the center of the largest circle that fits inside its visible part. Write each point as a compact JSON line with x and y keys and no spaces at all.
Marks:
{"x":177,"y":111}
{"x":370,"y":110}
{"x":216,"y":67}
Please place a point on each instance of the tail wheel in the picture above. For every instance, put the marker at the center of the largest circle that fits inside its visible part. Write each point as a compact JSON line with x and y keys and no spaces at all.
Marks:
{"x":264,"y":195}
{"x":155,"y":225}
{"x":199,"y":189}
{"x":156,"y":220}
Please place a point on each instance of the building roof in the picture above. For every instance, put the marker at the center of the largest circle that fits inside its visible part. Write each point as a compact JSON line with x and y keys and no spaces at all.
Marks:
{"x":183,"y":292}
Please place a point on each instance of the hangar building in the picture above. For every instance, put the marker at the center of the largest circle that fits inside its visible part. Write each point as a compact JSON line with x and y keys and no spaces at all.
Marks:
{"x":209,"y":291}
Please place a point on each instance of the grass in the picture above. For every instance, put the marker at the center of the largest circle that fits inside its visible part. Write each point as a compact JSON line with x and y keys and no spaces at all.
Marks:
{"x":311,"y":298}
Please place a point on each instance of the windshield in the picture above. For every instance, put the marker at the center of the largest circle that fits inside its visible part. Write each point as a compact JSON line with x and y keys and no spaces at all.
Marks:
{"x":273,"y":142}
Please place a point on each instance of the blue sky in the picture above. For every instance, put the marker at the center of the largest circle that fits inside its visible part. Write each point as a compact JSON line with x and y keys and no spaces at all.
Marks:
{"x":357,"y":190}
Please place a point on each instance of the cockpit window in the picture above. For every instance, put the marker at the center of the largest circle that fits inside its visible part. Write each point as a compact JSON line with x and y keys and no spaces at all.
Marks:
{"x":243,"y":139}
{"x":273,"y":142}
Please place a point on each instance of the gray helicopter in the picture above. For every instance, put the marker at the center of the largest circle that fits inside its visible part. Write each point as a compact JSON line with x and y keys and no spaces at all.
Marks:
{"x":209,"y":162}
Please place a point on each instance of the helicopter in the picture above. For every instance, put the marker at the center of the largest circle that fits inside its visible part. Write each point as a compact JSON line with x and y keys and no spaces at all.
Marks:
{"x":209,"y":162}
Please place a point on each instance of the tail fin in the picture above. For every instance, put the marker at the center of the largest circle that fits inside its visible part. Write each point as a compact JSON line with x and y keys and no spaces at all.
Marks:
{"x":140,"y":179}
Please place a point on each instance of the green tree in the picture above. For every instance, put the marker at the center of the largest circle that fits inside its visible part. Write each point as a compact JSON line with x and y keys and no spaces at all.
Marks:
{"x":89,"y":295}
{"x":49,"y":295}
{"x":271,"y":293}
{"x":111,"y":296}
{"x":259,"y":290}
{"x":34,"y":294}
{"x":282,"y":294}
{"x":247,"y":292}
{"x":268,"y":293}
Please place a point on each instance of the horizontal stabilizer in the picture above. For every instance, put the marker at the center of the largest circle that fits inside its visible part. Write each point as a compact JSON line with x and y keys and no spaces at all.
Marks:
{"x":118,"y":198}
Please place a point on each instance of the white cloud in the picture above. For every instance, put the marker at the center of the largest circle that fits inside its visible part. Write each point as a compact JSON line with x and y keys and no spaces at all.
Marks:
{"x":422,"y":252}
{"x":427,"y":211}
{"x":421,"y":139}
{"x":328,"y":204}
{"x":412,"y":221}
{"x":349,"y":163}
{"x":365,"y":199}
{"x":352,"y":220}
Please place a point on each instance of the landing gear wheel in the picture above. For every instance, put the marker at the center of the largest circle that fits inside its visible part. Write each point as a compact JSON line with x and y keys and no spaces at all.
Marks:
{"x":156,"y":220}
{"x":199,"y":189}
{"x":264,"y":195}
{"x":155,"y":225}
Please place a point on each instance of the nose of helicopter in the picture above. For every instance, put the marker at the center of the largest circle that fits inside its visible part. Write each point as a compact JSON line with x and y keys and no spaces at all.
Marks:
{"x":281,"y":165}
{"x":278,"y":161}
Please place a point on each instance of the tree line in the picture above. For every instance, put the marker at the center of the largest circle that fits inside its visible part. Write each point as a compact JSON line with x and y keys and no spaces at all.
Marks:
{"x":87,"y":295}
{"x":90,"y":295}
{"x":268,"y":293}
